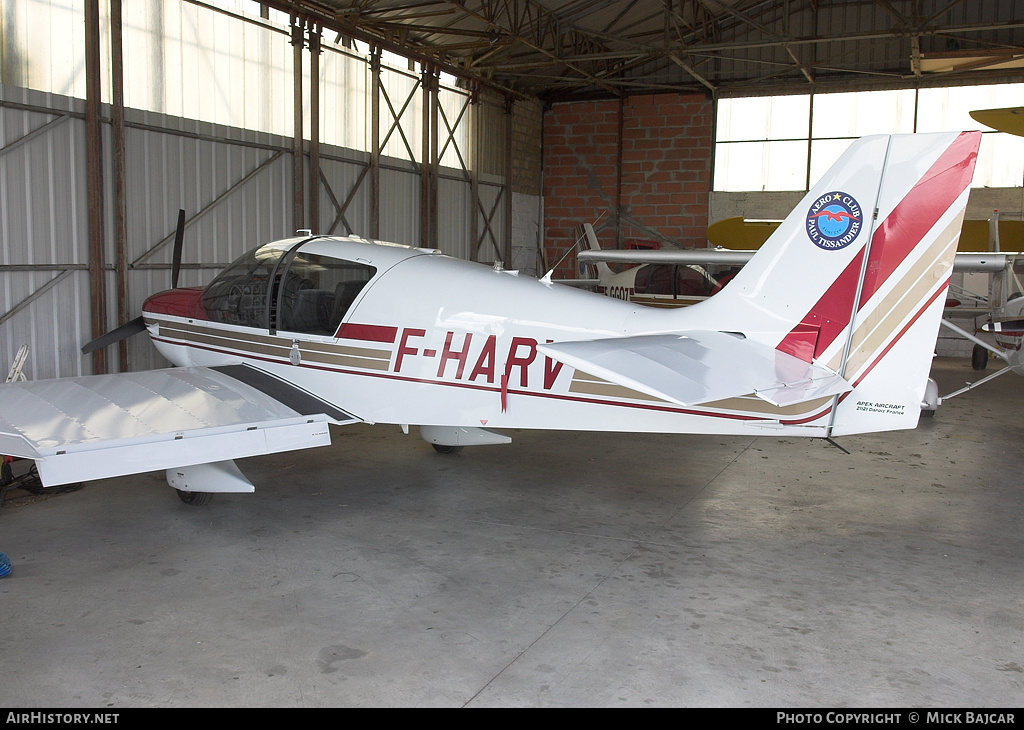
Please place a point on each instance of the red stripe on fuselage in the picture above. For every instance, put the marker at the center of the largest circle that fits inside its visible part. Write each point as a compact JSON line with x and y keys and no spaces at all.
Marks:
{"x":892,"y":242}
{"x":368,"y":332}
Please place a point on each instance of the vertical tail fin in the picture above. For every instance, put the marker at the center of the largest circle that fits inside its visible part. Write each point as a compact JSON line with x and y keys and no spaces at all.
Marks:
{"x":585,"y":231}
{"x":854,"y":278}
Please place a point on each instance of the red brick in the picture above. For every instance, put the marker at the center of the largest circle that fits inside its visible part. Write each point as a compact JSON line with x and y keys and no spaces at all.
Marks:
{"x":666,"y":149}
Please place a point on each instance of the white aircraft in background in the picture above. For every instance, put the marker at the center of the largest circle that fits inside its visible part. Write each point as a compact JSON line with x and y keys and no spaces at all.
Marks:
{"x":671,"y":277}
{"x":661,"y":279}
{"x":678,"y":277}
{"x":827,"y":331}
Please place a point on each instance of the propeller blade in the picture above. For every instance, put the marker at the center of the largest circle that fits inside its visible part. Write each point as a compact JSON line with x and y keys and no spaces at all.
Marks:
{"x":179,"y":237}
{"x":123,"y":332}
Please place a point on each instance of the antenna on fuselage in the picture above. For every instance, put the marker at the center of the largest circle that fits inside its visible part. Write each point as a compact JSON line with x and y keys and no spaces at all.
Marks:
{"x":547,"y":277}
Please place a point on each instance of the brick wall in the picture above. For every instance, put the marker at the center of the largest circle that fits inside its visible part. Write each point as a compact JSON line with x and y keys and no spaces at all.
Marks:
{"x":526,"y":146}
{"x":658,"y":190}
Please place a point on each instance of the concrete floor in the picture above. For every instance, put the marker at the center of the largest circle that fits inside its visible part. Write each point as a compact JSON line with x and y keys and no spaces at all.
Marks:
{"x":567,"y":569}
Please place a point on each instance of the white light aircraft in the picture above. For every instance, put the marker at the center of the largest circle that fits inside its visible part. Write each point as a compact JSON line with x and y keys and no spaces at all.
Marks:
{"x":827,"y":331}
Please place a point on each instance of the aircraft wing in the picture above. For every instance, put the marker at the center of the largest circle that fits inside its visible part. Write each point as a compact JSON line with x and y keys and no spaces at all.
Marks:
{"x":972,"y":262}
{"x":669,"y":256}
{"x":690,"y":368}
{"x":98,"y":426}
{"x":1009,"y":120}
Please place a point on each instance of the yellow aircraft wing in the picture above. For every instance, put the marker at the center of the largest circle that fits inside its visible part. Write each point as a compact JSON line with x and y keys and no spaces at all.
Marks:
{"x":1010,"y":120}
{"x":737,"y":234}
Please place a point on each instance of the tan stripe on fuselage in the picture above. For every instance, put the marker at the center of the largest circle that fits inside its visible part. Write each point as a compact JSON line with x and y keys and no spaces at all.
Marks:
{"x":269,"y":345}
{"x":757,"y":406}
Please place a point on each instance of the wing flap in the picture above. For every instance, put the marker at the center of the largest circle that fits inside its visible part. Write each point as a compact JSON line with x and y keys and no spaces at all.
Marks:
{"x":92,"y":427}
{"x":696,"y":367}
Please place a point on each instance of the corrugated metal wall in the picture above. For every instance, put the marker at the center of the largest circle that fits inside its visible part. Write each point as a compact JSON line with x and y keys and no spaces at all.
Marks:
{"x":224,"y":72}
{"x":234,"y":185}
{"x":44,"y":284}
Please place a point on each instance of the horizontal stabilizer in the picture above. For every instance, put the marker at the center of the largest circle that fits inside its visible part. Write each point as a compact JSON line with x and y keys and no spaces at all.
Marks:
{"x":699,"y":367}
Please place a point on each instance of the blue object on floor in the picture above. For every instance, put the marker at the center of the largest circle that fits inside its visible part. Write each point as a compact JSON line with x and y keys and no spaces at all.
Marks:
{"x":5,"y":565}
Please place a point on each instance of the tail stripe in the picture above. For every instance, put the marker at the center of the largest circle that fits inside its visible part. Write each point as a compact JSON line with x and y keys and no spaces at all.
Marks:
{"x":878,"y":359}
{"x":890,"y":313}
{"x":919,"y":211}
{"x":894,"y":239}
{"x":917,"y":315}
{"x":828,"y":317}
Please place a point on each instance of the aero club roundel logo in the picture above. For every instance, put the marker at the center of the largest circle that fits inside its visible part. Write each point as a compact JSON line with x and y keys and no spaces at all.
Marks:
{"x":834,"y":220}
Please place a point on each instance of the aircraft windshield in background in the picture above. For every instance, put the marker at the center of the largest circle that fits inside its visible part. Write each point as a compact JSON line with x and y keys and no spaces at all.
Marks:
{"x":826,"y":331}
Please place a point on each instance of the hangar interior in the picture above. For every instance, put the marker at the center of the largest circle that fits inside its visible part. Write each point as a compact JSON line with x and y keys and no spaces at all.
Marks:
{"x":568,"y":569}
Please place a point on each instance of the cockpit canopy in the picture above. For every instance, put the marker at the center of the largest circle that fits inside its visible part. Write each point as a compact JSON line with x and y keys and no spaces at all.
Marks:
{"x":286,"y":287}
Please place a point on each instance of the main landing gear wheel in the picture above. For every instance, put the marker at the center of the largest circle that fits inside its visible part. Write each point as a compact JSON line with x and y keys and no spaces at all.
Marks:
{"x":979,"y":358}
{"x":195,"y":499}
{"x":442,"y":449}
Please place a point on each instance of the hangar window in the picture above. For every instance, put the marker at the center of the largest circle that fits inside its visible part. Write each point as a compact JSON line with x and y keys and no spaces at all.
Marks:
{"x":787,"y":142}
{"x":762,"y":143}
{"x":224,"y":62}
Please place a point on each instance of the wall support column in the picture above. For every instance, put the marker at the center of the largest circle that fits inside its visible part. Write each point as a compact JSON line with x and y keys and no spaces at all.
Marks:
{"x":435,"y":162}
{"x":298,"y":191}
{"x":428,"y":168}
{"x":94,"y":178}
{"x":120,"y":185}
{"x":475,"y":120}
{"x":314,"y":128}
{"x":375,"y":142}
{"x":507,"y":227}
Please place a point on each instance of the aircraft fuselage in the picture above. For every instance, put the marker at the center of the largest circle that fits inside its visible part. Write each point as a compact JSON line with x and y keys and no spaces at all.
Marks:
{"x":433,"y":340}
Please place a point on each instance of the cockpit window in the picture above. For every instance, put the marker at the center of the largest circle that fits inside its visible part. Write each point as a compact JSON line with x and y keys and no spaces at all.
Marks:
{"x":673,"y":281}
{"x":317,"y":292}
{"x":288,"y":289}
{"x":239,"y":294}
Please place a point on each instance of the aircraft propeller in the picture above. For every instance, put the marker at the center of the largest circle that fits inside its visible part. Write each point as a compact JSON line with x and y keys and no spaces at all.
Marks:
{"x":137,"y":325}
